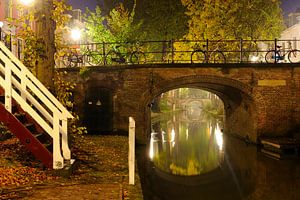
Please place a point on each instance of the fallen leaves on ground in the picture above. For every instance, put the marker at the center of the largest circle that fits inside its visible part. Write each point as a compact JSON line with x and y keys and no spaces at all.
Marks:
{"x":18,"y":167}
{"x":100,"y":159}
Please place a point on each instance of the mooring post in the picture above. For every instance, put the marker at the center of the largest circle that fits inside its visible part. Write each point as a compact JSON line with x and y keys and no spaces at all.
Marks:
{"x":131,"y":150}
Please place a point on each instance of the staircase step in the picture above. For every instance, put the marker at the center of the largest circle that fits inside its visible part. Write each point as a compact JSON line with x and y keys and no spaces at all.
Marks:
{"x":30,"y":127}
{"x":26,"y":137}
{"x":49,"y":146}
{"x":2,"y":99}
{"x":21,"y":117}
{"x":281,"y":147}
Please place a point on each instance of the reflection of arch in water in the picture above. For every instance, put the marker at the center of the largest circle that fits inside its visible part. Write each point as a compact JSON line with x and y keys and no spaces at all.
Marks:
{"x":215,"y":185}
{"x":230,"y":181}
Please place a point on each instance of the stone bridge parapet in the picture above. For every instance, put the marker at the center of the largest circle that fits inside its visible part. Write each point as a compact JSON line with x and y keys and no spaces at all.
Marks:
{"x":259,"y":99}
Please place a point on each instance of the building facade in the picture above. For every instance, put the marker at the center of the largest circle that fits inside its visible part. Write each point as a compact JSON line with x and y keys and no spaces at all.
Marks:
{"x":8,"y":10}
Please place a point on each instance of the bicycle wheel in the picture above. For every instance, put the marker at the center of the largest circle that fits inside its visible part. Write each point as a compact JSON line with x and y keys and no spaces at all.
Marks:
{"x":111,"y":58}
{"x":294,"y":56}
{"x":94,"y":58}
{"x":217,"y":57}
{"x":272,"y":56}
{"x":67,"y":60}
{"x":198,"y":56}
{"x":137,"y":57}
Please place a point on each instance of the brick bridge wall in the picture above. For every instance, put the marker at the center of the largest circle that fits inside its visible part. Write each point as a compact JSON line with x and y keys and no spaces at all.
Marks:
{"x":259,"y":99}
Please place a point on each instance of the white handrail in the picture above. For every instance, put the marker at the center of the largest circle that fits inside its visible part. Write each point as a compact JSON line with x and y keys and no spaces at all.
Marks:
{"x":21,"y":85}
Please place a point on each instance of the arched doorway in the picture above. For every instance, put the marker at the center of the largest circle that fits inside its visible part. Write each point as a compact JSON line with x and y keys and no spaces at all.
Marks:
{"x":98,"y":117}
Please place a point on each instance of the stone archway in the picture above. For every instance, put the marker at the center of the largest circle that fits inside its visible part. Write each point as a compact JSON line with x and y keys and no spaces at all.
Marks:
{"x":240,"y":112}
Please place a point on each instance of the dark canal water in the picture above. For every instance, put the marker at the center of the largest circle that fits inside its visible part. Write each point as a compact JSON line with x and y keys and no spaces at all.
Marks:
{"x":191,"y":158}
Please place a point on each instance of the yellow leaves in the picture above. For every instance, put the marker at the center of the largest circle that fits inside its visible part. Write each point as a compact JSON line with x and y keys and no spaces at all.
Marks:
{"x":220,"y":19}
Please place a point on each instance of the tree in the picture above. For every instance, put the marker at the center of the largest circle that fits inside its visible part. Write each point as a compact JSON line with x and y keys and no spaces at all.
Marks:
{"x":233,"y":19}
{"x":42,"y":40}
{"x":108,"y":5}
{"x":220,"y":20}
{"x":95,"y":29}
{"x":120,"y":24}
{"x":38,"y":40}
{"x":162,"y":19}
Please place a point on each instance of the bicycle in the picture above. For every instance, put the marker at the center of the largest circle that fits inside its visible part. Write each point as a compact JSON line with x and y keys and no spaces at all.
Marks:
{"x":125,"y":56}
{"x":93,"y":56}
{"x":274,"y":56}
{"x":72,"y":58}
{"x":205,"y":56}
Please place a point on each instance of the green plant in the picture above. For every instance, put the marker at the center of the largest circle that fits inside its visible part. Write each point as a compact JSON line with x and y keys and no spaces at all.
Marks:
{"x":64,"y":93}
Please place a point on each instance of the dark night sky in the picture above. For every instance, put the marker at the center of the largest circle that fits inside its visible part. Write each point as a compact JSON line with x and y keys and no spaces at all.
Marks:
{"x":82,"y":4}
{"x":288,"y":6}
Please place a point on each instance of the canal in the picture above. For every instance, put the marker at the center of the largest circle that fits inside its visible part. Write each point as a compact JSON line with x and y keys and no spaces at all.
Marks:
{"x":189,"y":156}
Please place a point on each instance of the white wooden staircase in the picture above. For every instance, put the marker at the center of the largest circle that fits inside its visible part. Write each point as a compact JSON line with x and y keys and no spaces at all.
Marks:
{"x":32,"y":113}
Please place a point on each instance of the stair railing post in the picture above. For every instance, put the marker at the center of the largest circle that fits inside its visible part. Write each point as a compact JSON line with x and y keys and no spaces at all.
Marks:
{"x":8,"y":88}
{"x":23,"y":84}
{"x":65,"y":147}
{"x":58,"y":161}
{"x":131,"y":150}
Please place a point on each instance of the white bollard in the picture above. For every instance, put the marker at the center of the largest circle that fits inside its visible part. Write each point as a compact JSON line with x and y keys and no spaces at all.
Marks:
{"x":131,"y":150}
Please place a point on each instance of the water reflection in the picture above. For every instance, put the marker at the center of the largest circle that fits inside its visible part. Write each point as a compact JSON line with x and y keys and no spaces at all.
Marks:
{"x":186,"y":147}
{"x":190,"y":158}
{"x":244,"y":174}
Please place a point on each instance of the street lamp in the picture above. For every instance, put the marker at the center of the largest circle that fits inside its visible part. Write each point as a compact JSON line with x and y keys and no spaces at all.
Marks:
{"x":26,"y":2}
{"x":76,"y":34}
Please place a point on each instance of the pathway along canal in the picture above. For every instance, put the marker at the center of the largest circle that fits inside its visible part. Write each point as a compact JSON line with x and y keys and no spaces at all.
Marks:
{"x":189,"y":158}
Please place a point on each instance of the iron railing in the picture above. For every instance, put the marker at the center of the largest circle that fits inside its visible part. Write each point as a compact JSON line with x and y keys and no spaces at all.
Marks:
{"x":183,"y":51}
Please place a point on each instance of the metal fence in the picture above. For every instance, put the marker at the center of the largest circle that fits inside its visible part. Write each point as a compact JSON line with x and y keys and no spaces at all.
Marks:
{"x":183,"y":51}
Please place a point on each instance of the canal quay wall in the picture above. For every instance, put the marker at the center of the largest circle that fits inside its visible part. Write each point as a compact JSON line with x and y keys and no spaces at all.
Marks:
{"x":260,"y":100}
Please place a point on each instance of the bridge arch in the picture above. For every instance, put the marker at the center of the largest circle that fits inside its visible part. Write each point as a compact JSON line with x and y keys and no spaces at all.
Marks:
{"x":239,"y":105}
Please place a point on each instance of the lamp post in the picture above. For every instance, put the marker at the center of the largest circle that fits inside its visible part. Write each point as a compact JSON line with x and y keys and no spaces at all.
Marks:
{"x":44,"y":30}
{"x":1,"y":25}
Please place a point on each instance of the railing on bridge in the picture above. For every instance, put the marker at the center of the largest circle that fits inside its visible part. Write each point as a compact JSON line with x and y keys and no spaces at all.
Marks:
{"x":183,"y":51}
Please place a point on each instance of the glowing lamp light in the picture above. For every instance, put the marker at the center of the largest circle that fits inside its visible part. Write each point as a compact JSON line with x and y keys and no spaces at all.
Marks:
{"x":1,"y":24}
{"x":219,"y":137}
{"x":26,"y":2}
{"x":75,"y":34}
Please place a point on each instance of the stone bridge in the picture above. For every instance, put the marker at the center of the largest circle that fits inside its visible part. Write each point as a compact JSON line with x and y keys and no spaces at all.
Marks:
{"x":259,"y":99}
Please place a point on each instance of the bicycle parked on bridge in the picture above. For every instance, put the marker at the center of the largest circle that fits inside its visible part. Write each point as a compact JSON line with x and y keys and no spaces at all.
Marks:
{"x":126,"y":54}
{"x":277,"y":55}
{"x":203,"y":55}
{"x":73,"y":57}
